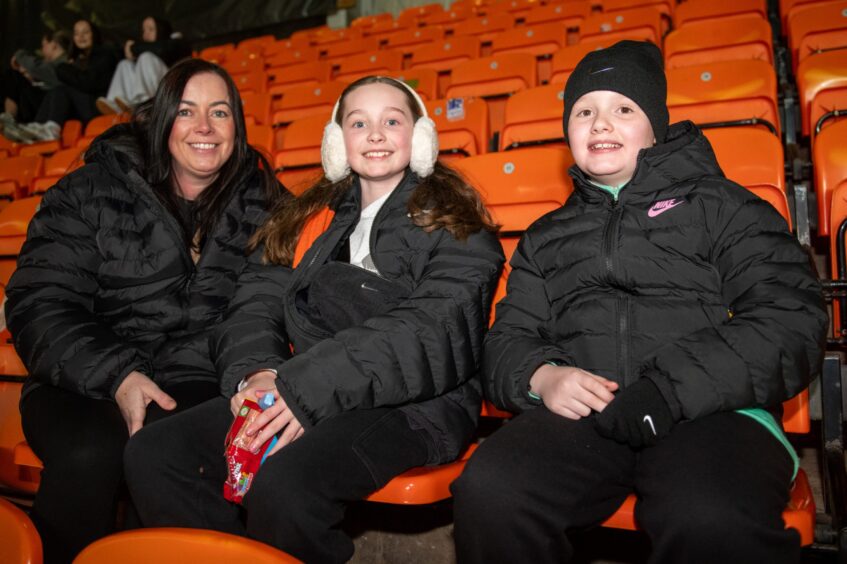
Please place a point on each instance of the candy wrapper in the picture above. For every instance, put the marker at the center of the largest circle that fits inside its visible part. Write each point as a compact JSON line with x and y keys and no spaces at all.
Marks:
{"x":242,"y":464}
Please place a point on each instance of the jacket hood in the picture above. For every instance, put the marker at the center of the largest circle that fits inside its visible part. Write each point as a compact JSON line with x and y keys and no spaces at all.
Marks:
{"x":686,"y":154}
{"x":117,"y":149}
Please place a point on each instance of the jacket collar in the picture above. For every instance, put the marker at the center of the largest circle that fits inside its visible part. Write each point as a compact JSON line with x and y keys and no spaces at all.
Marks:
{"x":685,"y":155}
{"x":350,"y":202}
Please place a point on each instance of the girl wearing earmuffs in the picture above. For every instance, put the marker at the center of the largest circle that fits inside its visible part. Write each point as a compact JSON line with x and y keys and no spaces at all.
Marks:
{"x":370,"y":344}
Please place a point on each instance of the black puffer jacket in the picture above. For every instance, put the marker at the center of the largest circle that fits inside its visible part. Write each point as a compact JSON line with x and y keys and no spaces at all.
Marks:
{"x":688,"y":277}
{"x":105,"y":284}
{"x":423,"y":354}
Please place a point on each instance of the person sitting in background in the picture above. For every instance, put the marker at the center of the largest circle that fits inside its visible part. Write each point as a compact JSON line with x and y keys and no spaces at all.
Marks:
{"x":31,"y":76}
{"x":146,"y":62}
{"x":82,"y":79}
{"x":128,"y":263}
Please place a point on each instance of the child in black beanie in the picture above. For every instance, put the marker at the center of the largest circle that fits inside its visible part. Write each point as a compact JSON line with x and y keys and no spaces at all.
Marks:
{"x":653,"y":327}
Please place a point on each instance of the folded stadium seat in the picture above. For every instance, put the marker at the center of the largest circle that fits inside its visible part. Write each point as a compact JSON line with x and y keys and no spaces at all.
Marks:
{"x":696,"y":10}
{"x":533,"y":117}
{"x":256,"y":45}
{"x":14,"y":220}
{"x":646,"y":24}
{"x":177,"y":546}
{"x":728,"y":91}
{"x":787,"y":9}
{"x":422,"y":80}
{"x":443,"y":56}
{"x":541,"y":40}
{"x":285,"y":78}
{"x":336,"y":51}
{"x":98,"y":125}
{"x":55,"y":167}
{"x":518,"y":9}
{"x":829,"y":159}
{"x":382,"y":29}
{"x":366,"y":22}
{"x":241,"y":63}
{"x":571,"y":13}
{"x":817,"y":28}
{"x":292,"y":56}
{"x":10,"y":147}
{"x":216,"y":54}
{"x":257,"y":106}
{"x":753,"y":158}
{"x":664,"y":6}
{"x":822,"y":88}
{"x":71,"y":132}
{"x":412,"y":16}
{"x":19,"y":541}
{"x":494,"y":78}
{"x":325,"y":37}
{"x":302,"y":42}
{"x":16,"y":174}
{"x":43,"y":148}
{"x":407,"y":40}
{"x":364,"y":64}
{"x":255,"y":81}
{"x":708,"y":41}
{"x":486,"y":28}
{"x":261,"y":137}
{"x":309,"y":35}
{"x":306,"y":101}
{"x":462,"y":125}
{"x":298,"y":162}
{"x":449,"y":20}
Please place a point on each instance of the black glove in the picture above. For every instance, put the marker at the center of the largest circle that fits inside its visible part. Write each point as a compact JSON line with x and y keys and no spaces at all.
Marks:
{"x":639,"y":416}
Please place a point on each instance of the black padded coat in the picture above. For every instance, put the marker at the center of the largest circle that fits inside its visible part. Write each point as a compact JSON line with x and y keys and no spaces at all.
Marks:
{"x":105,"y":283}
{"x":423,"y":354}
{"x":688,"y":278}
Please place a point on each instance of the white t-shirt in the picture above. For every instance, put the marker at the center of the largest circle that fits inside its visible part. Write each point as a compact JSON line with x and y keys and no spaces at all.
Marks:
{"x":360,"y":251}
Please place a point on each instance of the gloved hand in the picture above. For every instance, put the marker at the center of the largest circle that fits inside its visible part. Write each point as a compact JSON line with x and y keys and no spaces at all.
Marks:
{"x":639,"y":416}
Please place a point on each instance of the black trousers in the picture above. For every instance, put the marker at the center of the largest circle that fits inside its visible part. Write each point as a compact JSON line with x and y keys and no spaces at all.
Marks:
{"x":81,"y":441}
{"x":63,"y":103}
{"x":713,"y":491}
{"x":176,"y":471}
{"x":21,"y":91}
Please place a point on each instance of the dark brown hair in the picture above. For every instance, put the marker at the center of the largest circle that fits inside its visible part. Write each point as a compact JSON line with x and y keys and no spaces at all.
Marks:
{"x":441,"y":200}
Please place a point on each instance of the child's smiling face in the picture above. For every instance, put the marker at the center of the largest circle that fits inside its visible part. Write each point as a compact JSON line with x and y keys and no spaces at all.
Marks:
{"x":606,"y":130}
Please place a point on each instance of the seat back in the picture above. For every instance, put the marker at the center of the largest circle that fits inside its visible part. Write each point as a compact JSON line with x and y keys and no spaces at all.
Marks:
{"x":240,"y":63}
{"x":829,"y":157}
{"x":486,"y":27}
{"x":407,"y":40}
{"x":822,"y":87}
{"x":256,"y":44}
{"x":664,"y":6}
{"x":444,"y":55}
{"x":724,"y":91}
{"x":298,"y":162}
{"x":570,"y":14}
{"x":310,"y":73}
{"x":100,"y":124}
{"x":256,"y":80}
{"x":374,"y":62}
{"x":307,"y":100}
{"x":745,"y":37}
{"x":413,"y":15}
{"x":462,"y":125}
{"x":19,"y":541}
{"x":541,"y":40}
{"x":366,"y":22}
{"x":643,"y":23}
{"x":217,"y":53}
{"x":292,"y":56}
{"x":257,"y":105}
{"x":424,"y":81}
{"x":20,"y":171}
{"x":533,"y":117}
{"x":698,"y":10}
{"x":326,"y":37}
{"x":261,"y":137}
{"x":176,"y":546}
{"x":816,"y":28}
{"x":336,"y":51}
{"x":63,"y":162}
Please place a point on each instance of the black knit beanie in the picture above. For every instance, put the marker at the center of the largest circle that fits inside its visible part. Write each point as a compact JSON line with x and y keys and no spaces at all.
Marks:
{"x":632,"y":68}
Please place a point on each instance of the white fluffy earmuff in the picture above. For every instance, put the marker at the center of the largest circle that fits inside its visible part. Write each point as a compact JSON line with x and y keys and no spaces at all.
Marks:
{"x":424,"y":143}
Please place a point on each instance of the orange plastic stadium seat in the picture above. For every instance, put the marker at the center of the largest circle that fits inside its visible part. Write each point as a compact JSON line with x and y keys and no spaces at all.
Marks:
{"x":306,"y":101}
{"x":641,"y":23}
{"x":709,"y":41}
{"x":448,"y":20}
{"x":518,"y":9}
{"x":664,"y":6}
{"x":98,"y":125}
{"x":325,"y":37}
{"x":443,"y":56}
{"x":242,"y":63}
{"x":302,"y":42}
{"x":541,"y":40}
{"x":462,"y":125}
{"x":298,"y":162}
{"x":307,"y":36}
{"x":570,"y":13}
{"x":261,"y":137}
{"x":336,"y":51}
{"x":375,"y":62}
{"x":566,"y":59}
{"x":817,"y":28}
{"x":292,"y":56}
{"x":696,"y":10}
{"x":724,"y":91}
{"x":382,"y":29}
{"x":40,"y":148}
{"x":366,"y":22}
{"x":4,"y":153}
{"x":829,"y":156}
{"x":494,"y":78}
{"x":413,"y":15}
{"x":424,"y":81}
{"x":55,"y":167}
{"x":533,"y":117}
{"x":407,"y":40}
{"x":256,"y":44}
{"x":822,"y":87}
{"x":257,"y":105}
{"x":257,"y":81}
{"x":486,"y":28}
{"x":283,"y":79}
{"x":16,"y":174}
{"x":71,"y":132}
{"x":789,"y":8}
{"x":9,"y":146}
{"x":177,"y":546}
{"x":753,"y":158}
{"x":217,"y":53}
{"x":19,"y":541}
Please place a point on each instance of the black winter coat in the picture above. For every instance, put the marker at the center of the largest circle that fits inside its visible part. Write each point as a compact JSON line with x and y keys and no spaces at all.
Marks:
{"x":423,"y":354}
{"x":688,"y":278}
{"x":105,"y":283}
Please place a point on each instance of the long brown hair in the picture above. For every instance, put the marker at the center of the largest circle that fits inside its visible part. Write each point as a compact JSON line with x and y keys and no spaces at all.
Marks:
{"x":442,"y":200}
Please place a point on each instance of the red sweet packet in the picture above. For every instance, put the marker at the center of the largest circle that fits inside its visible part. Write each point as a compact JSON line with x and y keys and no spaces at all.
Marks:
{"x":242,"y":464}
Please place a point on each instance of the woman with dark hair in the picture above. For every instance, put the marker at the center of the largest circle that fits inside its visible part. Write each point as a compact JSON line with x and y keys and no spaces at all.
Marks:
{"x":83,"y":78}
{"x":385,"y":316}
{"x":144,"y":65}
{"x":129,"y":263}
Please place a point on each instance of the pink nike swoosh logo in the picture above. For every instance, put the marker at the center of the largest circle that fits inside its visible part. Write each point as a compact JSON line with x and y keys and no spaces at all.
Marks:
{"x":663,"y":206}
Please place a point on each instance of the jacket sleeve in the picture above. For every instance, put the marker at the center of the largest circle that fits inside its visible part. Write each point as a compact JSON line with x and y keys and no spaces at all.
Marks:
{"x":772,"y":344}
{"x":252,"y":336}
{"x":516,"y":345}
{"x":50,"y":308}
{"x":94,"y":79}
{"x":426,"y":346}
